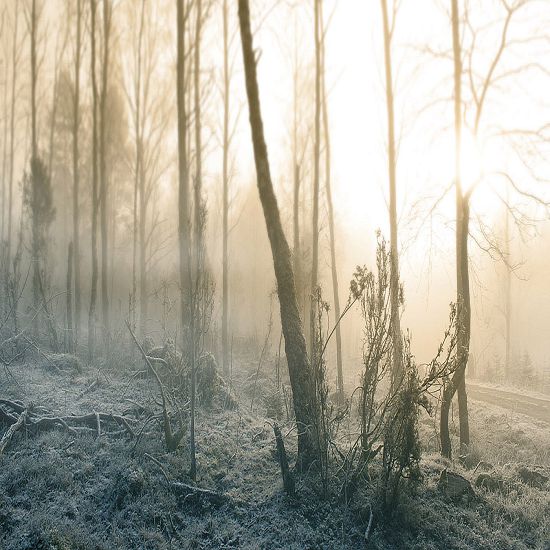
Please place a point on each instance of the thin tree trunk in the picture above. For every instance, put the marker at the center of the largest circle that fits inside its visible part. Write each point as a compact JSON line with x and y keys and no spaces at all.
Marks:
{"x":183,"y":183}
{"x":397,"y":371}
{"x":93,"y":293}
{"x":198,"y":260}
{"x":295,"y":344}
{"x":69,"y":309}
{"x":76,"y":174}
{"x":12,"y":130}
{"x":139,"y":191}
{"x":508,"y":291}
{"x":315,"y":198}
{"x":334,"y":265}
{"x":225,"y":178}
{"x":457,"y":381}
{"x":103,"y":193}
{"x":186,"y":291}
{"x":4,"y":163}
{"x":34,"y":160}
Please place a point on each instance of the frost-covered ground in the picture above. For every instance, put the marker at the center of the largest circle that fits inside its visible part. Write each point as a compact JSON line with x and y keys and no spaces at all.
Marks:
{"x":62,"y":491}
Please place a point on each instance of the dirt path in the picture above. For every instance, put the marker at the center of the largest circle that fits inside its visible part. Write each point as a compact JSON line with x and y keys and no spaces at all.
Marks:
{"x":535,"y":407}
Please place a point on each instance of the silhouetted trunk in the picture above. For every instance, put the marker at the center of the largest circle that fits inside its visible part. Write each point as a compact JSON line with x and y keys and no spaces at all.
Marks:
{"x":225,"y":199}
{"x":457,"y":381}
{"x":295,"y":344}
{"x":93,"y":292}
{"x":397,"y":371}
{"x":76,"y":173}
{"x":103,"y":193}
{"x":333,"y":264}
{"x":315,"y":198}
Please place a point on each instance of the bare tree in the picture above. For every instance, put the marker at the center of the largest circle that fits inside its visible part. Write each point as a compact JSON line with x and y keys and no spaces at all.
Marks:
{"x":295,"y":345}
{"x":480,"y":84}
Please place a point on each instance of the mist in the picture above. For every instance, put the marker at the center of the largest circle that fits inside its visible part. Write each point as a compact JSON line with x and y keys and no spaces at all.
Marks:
{"x":274,"y":255}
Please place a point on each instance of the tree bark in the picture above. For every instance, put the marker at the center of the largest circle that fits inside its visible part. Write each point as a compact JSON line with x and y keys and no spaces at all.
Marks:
{"x":295,"y":345}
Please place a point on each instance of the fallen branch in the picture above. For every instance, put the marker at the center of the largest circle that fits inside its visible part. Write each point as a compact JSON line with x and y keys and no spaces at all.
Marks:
{"x":4,"y":442}
{"x":189,"y":492}
{"x":197,"y":494}
{"x":172,"y":440}
{"x":92,"y":421}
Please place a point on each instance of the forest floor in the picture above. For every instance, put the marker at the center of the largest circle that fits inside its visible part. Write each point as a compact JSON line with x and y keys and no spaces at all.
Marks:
{"x":64,"y":491}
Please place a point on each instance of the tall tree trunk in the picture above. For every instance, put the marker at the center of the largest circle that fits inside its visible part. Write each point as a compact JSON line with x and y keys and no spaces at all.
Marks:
{"x":12,"y":129}
{"x":198,"y":237}
{"x":34,"y":160}
{"x":296,"y":247}
{"x":183,"y":172}
{"x":4,"y":163}
{"x":457,"y":381}
{"x":93,"y":292}
{"x":315,"y":198}
{"x":295,"y":344}
{"x":328,"y":190}
{"x":103,"y":193}
{"x":225,"y":207}
{"x":76,"y":173}
{"x":186,"y":291}
{"x":139,"y":191}
{"x":397,"y":371}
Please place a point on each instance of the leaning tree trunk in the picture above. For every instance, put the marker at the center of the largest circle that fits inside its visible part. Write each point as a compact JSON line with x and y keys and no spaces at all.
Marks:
{"x":295,"y":344}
